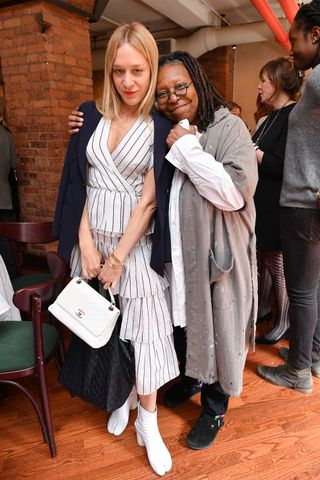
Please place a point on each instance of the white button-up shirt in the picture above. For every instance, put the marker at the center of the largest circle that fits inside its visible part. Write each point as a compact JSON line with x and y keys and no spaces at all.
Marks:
{"x":212,"y":182}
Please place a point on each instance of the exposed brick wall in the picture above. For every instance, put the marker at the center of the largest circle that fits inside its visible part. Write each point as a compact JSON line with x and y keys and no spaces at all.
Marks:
{"x":45,"y":75}
{"x":85,"y":5}
{"x":218,"y":65}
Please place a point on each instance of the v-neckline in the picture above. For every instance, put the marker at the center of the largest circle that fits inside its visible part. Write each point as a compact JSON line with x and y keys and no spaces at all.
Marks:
{"x":122,"y":138}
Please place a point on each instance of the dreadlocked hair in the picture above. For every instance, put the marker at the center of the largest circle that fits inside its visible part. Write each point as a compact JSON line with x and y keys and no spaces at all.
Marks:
{"x":308,"y":16}
{"x":209,"y":99}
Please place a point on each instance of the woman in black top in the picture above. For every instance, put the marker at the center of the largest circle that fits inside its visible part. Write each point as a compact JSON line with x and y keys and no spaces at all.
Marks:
{"x":279,"y":88}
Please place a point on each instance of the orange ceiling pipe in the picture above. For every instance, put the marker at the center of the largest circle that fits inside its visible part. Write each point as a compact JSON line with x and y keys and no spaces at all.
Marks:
{"x":290,"y":8}
{"x":271,"y":19}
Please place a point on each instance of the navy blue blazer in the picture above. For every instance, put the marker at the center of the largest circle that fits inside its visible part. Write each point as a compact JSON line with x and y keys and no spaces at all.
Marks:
{"x":72,"y":191}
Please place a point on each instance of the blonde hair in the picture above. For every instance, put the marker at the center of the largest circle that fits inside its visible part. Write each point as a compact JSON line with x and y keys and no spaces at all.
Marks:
{"x":138,"y":37}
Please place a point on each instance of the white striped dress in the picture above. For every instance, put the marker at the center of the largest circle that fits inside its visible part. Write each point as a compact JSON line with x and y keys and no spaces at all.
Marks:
{"x":114,"y":187}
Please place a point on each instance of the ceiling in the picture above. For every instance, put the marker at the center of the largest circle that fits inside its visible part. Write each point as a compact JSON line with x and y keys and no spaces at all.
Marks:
{"x":175,"y":18}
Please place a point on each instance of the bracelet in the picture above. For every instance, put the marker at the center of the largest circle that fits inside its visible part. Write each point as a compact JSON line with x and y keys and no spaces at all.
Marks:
{"x":114,"y":265}
{"x":256,"y":147}
{"x":116,"y":259}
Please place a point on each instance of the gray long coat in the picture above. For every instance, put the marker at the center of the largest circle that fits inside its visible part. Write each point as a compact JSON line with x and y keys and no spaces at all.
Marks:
{"x":220,"y":262}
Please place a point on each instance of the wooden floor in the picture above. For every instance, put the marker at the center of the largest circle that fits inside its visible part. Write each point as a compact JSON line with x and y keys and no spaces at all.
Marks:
{"x":270,"y":433}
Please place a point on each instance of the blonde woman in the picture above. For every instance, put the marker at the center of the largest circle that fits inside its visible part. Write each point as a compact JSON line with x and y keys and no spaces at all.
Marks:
{"x":106,"y":216}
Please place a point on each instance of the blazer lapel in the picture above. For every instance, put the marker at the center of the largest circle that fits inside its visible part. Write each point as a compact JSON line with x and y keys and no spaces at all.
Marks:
{"x":162,"y":128}
{"x":91,"y":120}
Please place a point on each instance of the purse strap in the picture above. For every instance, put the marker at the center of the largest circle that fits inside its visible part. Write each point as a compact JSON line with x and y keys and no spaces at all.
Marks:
{"x":112,"y":299}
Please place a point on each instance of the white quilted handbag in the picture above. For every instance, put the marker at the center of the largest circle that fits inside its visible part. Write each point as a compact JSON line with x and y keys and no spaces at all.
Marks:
{"x":86,"y":313}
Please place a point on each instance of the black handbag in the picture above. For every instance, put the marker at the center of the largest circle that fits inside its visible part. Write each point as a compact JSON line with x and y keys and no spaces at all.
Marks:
{"x":102,"y":376}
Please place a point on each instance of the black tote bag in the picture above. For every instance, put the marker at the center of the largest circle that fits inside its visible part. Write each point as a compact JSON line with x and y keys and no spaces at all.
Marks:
{"x":101,"y":376}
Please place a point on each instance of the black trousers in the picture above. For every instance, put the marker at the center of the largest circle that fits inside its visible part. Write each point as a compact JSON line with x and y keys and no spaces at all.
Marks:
{"x":300,"y":236}
{"x":214,"y":400}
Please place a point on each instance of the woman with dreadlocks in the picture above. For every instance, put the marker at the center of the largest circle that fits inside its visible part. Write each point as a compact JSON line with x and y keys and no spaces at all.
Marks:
{"x":300,"y":214}
{"x":212,"y":219}
{"x":213,"y":276}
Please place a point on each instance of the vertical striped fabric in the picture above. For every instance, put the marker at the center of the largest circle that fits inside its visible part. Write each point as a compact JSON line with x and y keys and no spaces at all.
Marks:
{"x":115,"y":180}
{"x":115,"y":184}
{"x":270,"y":266}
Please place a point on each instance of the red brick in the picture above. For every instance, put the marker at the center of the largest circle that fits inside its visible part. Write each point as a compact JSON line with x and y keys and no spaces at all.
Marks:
{"x":27,"y":19}
{"x":11,"y":22}
{"x":218,"y":65}
{"x":45,"y":75}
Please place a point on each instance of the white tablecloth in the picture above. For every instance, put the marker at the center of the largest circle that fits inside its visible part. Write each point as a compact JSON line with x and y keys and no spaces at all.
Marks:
{"x":7,"y":310}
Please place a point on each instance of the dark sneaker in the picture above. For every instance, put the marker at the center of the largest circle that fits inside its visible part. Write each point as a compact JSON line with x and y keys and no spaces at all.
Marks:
{"x":180,"y":392}
{"x":315,"y":367}
{"x":204,"y":431}
{"x":287,"y":376}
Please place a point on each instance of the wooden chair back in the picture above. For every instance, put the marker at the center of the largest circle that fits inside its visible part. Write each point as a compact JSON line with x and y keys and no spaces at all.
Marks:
{"x":47,"y":291}
{"x":45,"y":338}
{"x":25,"y":233}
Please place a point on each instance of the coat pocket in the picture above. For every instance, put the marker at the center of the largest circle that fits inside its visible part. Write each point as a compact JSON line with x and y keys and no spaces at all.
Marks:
{"x":219,"y":269}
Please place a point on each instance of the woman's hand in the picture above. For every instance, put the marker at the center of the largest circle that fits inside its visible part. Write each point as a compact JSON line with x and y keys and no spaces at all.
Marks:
{"x":75,"y":121}
{"x":90,"y":261}
{"x":110,"y":276}
{"x":177,"y":132}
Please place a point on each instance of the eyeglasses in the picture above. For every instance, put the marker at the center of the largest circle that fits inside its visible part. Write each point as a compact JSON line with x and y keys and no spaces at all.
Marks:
{"x":180,"y":90}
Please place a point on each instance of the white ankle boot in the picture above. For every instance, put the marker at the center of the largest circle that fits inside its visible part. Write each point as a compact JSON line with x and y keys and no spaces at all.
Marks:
{"x":119,"y":418}
{"x":148,"y":436}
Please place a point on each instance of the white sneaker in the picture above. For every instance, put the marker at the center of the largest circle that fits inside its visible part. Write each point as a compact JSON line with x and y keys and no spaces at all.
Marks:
{"x":119,"y":418}
{"x":148,"y":436}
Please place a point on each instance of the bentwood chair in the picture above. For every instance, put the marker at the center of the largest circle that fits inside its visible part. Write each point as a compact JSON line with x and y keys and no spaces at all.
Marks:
{"x":25,"y":347}
{"x":20,"y":234}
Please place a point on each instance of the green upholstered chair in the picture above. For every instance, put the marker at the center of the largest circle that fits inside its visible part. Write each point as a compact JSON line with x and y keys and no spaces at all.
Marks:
{"x":25,"y":347}
{"x":19,"y":233}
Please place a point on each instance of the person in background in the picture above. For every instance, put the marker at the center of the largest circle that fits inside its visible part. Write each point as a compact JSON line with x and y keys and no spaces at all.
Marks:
{"x":234,"y":108}
{"x":106,"y":226}
{"x":279,"y":88}
{"x":8,"y":161}
{"x":300,"y":214}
